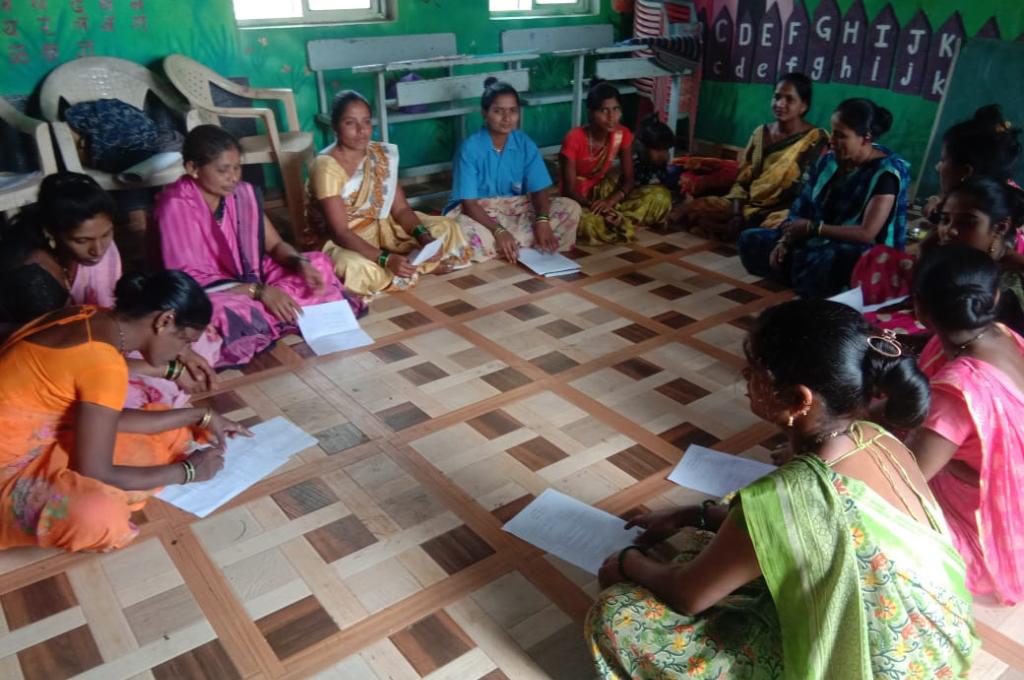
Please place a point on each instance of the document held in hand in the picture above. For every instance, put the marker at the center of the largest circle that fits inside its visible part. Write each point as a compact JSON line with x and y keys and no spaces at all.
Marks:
{"x":331,"y":327}
{"x":714,"y":473}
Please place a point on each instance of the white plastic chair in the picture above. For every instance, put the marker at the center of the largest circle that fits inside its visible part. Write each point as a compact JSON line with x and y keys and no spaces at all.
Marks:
{"x":291,"y":150}
{"x":21,"y":189}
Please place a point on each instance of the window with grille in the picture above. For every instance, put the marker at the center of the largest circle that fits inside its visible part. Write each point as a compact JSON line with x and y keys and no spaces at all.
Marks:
{"x":279,"y":12}
{"x":521,"y":8}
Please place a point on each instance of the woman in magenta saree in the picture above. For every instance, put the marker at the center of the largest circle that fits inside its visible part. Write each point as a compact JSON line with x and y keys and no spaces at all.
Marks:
{"x":212,"y":226}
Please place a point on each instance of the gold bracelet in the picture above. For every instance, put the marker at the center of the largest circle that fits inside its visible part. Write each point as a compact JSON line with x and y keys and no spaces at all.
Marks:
{"x":204,"y":422}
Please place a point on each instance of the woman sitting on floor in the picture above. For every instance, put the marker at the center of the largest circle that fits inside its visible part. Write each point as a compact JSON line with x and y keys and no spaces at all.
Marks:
{"x":358,"y":207}
{"x":771,"y":171}
{"x":500,"y":186}
{"x":855,"y":197}
{"x":612,"y":205}
{"x":971,"y":446}
{"x":212,"y":226}
{"x":74,"y":463}
{"x":65,"y":241}
{"x":836,"y":565}
{"x":984,"y":147}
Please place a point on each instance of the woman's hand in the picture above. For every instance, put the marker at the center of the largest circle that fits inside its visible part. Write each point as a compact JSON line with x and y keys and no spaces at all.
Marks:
{"x":544,"y":237}
{"x":312,"y":276}
{"x":207,"y":463}
{"x":281,"y":305}
{"x":198,"y":375}
{"x":602,"y":206}
{"x":609,"y":574}
{"x":796,"y":230}
{"x":659,"y":525}
{"x":506,"y":245}
{"x":399,"y":266}
{"x":777,"y":258}
{"x":221,"y":428}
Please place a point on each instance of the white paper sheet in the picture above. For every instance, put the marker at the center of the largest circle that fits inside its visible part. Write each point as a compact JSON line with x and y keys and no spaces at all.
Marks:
{"x":246,"y":461}
{"x":547,"y":264}
{"x":855,"y":298}
{"x":571,"y":530}
{"x":716,"y":473}
{"x":426,"y":252}
{"x":141,"y":172}
{"x":331,"y":327}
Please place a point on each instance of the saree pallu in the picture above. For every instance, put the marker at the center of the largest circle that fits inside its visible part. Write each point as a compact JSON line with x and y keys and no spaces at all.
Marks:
{"x":369,"y":196}
{"x":986,"y":518}
{"x":516,"y":215}
{"x":768,"y":181}
{"x":858,"y":591}
{"x":645,"y":205}
{"x":226,"y":249}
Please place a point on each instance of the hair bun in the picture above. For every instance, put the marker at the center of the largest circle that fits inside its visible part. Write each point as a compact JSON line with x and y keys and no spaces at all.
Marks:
{"x":989,"y":115}
{"x":490,"y":80}
{"x":882,"y":122}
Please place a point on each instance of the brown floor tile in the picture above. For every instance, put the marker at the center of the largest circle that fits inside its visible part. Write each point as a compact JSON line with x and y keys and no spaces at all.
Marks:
{"x":303,"y":350}
{"x":682,"y":391}
{"x":457,"y":549}
{"x":633,"y":256}
{"x":770,"y":284}
{"x":304,"y":498}
{"x":526,"y":312}
{"x":554,"y":362}
{"x":207,"y":662}
{"x":410,"y":320}
{"x":670,"y":292}
{"x":37,"y":601}
{"x":424,"y":373}
{"x":665,"y":247}
{"x":745,"y":322}
{"x":432,"y":642}
{"x":61,"y":657}
{"x":467,"y":282}
{"x":262,"y":362}
{"x":403,"y":416}
{"x":560,"y":328}
{"x":639,"y":462}
{"x":510,"y":510}
{"x":296,"y":627}
{"x":534,"y":285}
{"x":537,"y":453}
{"x":225,"y":402}
{"x":634,"y":332}
{"x":740,"y":295}
{"x":396,"y":351}
{"x":496,"y":674}
{"x":455,"y":307}
{"x":340,"y":538}
{"x":341,"y":438}
{"x":674,"y":319}
{"x":506,"y":379}
{"x":684,"y":434}
{"x":724,"y":250}
{"x":494,"y":424}
{"x":637,"y":368}
{"x":635,"y":278}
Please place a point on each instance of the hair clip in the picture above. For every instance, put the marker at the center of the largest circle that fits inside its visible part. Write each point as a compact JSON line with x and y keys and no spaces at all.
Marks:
{"x":886,"y":344}
{"x":1004,"y":126}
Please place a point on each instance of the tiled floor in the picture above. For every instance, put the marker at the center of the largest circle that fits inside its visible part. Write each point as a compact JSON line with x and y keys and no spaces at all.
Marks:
{"x":379,"y":552}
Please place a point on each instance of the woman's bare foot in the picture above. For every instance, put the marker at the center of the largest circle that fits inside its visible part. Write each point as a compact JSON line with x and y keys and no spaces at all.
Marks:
{"x":444,"y":267}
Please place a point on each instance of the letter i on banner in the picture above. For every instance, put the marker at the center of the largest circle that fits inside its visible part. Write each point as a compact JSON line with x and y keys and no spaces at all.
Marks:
{"x":880,"y":49}
{"x":794,"y":41}
{"x":766,"y":51}
{"x":912,"y":55}
{"x":850,"y":48}
{"x":940,"y":56}
{"x":824,"y":26}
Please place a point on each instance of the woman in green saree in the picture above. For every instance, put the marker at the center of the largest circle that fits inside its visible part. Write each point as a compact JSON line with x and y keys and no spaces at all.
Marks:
{"x":836,"y":565}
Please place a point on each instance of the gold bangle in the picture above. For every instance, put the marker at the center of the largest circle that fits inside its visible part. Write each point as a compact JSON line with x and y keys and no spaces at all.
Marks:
{"x":204,"y":422}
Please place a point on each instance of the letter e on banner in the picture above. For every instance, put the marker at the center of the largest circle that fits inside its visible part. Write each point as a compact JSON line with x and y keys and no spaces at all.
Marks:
{"x":766,"y":52}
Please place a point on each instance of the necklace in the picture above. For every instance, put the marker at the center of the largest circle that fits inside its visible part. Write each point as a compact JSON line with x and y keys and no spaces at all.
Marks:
{"x":590,"y":144}
{"x":120,"y":336}
{"x":963,"y":348}
{"x":819,"y":441}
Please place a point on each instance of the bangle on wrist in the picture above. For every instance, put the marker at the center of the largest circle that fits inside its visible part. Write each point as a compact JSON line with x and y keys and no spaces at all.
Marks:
{"x":499,"y":230}
{"x":702,"y":516}
{"x":542,"y":217}
{"x":382,"y":258}
{"x":190,"y":471}
{"x":298,"y":259}
{"x":622,"y":558}
{"x":256,"y":291}
{"x":179,"y":367}
{"x":420,"y":230}
{"x":204,"y":422}
{"x":172,"y":366}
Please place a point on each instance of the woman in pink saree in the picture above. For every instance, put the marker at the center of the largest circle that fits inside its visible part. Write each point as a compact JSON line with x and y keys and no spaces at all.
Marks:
{"x":212,"y":226}
{"x":971,"y":446}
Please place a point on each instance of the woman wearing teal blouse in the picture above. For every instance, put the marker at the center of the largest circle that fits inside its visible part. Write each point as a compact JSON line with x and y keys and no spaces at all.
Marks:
{"x":500,"y":186}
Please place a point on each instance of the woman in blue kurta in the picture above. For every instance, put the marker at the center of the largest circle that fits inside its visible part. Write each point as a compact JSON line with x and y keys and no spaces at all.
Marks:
{"x":854,"y":198}
{"x":500,"y":186}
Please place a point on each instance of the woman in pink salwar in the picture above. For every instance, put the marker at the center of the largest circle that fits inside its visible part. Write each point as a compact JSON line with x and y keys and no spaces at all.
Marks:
{"x":971,"y":446}
{"x":212,"y":226}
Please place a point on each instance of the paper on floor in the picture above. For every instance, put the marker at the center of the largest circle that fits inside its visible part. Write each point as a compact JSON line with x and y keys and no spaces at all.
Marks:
{"x":246,"y":461}
{"x":331,"y":327}
{"x":547,"y":264}
{"x":428,"y":251}
{"x":571,"y":530}
{"x":714,"y":473}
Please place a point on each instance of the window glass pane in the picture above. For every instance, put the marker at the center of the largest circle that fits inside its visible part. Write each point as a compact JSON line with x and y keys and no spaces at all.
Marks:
{"x":556,"y":2}
{"x":340,"y":4}
{"x":510,"y":5}
{"x":267,"y":9}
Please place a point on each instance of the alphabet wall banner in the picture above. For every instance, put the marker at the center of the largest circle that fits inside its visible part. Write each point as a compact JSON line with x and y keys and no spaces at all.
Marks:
{"x":758,"y":44}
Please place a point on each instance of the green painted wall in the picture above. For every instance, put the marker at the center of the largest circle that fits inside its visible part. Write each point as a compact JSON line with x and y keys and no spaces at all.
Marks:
{"x":269,"y":57}
{"x":730,"y":111}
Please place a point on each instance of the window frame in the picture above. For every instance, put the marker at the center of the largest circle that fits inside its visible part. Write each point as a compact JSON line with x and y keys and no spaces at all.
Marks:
{"x":546,"y":11}
{"x":380,"y":10}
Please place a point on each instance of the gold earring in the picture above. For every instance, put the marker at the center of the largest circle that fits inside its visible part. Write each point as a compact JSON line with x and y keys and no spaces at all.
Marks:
{"x":50,"y":241}
{"x":789,"y":423}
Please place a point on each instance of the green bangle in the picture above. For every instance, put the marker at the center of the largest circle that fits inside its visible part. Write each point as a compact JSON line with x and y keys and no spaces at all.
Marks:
{"x":172,"y":366}
{"x":622,"y":558}
{"x":190,"y":471}
{"x":702,"y":516}
{"x":542,"y":217}
{"x":420,"y":230}
{"x":382,"y":259}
